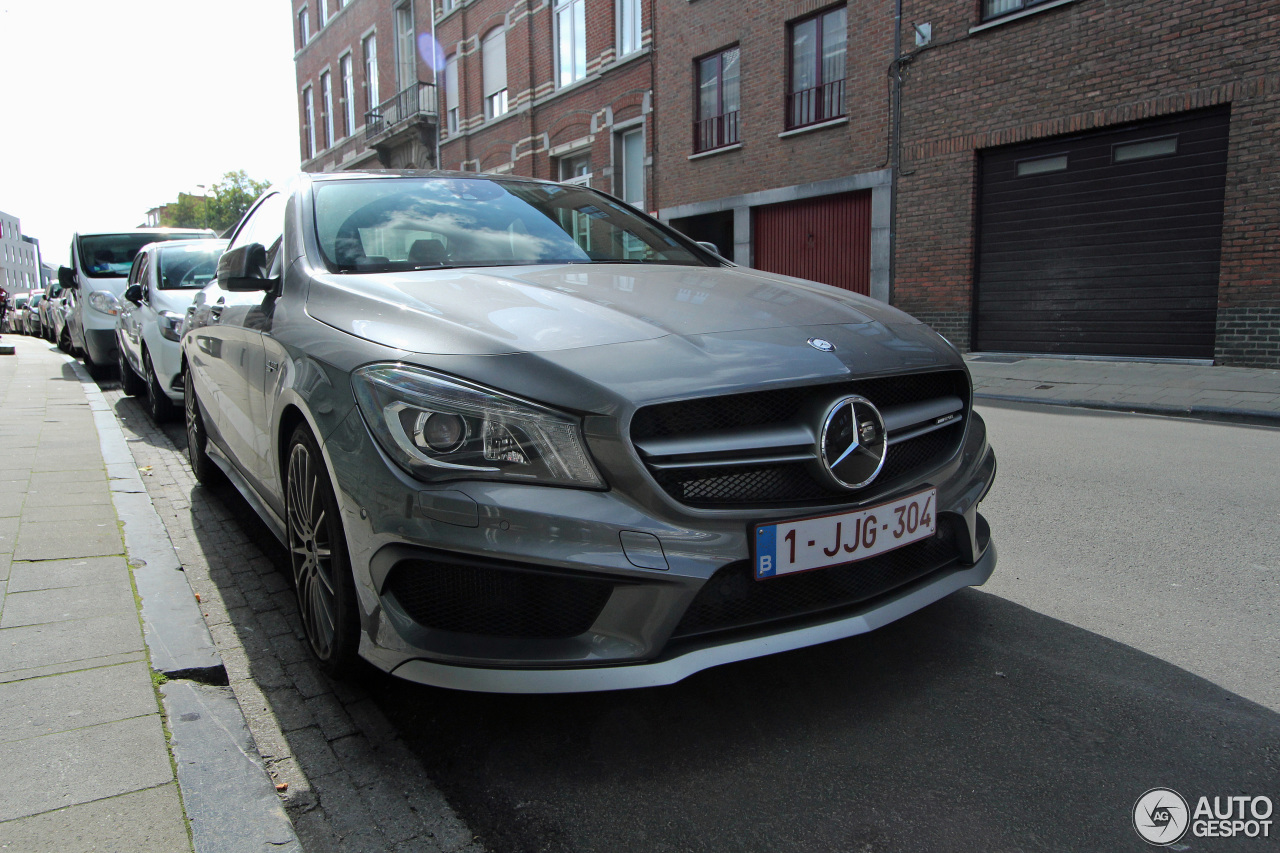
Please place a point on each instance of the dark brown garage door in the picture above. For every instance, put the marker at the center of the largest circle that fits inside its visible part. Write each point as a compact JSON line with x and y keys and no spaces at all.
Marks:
{"x":826,"y":239}
{"x":1106,"y":243}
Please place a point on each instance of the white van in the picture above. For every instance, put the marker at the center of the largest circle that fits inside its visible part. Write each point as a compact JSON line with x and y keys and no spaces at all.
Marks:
{"x":95,"y":283}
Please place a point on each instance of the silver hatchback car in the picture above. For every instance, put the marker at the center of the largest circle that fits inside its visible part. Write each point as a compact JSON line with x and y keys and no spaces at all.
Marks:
{"x":518,"y":437}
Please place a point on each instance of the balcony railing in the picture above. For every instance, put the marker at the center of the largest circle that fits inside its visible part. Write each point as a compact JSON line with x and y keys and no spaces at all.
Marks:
{"x":417,"y":100}
{"x":816,"y":105}
{"x":715,"y":132}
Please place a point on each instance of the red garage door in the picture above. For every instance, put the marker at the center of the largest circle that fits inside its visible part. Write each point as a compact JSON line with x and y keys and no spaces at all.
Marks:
{"x":826,"y":239}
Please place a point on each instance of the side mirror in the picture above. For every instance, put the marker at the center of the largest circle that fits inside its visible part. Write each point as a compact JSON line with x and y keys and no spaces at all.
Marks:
{"x":244,"y":268}
{"x":67,"y":278}
{"x":134,"y":294}
{"x":710,"y":247}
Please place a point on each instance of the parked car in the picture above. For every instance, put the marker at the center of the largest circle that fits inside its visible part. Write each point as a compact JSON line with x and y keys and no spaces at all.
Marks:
{"x":17,"y":313}
{"x":100,"y":263}
{"x":519,"y":437}
{"x":50,"y":310}
{"x":163,"y":281}
{"x":31,"y":316}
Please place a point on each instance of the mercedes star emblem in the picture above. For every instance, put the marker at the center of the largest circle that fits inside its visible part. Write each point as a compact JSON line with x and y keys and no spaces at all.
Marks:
{"x":853,"y":442}
{"x":821,"y":345}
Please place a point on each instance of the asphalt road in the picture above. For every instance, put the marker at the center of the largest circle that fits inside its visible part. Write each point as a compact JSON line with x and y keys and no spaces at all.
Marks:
{"x":1130,"y":639}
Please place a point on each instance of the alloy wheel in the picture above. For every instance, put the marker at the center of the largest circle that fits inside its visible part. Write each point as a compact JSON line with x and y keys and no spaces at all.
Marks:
{"x":311,"y":551}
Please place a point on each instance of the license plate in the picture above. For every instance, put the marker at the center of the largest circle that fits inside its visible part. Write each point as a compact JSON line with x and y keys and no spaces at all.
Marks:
{"x":831,"y":540}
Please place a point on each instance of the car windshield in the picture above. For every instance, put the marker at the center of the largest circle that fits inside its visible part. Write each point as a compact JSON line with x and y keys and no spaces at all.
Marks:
{"x":111,"y":255}
{"x":192,"y":266}
{"x":35,"y":300}
{"x":385,"y":224}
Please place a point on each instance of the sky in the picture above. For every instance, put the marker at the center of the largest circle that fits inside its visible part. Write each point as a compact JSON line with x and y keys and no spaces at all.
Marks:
{"x":108,"y":109}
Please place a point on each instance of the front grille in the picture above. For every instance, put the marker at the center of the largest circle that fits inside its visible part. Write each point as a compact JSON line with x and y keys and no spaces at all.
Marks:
{"x":769,"y":483}
{"x":734,"y":599}
{"x":496,"y":602}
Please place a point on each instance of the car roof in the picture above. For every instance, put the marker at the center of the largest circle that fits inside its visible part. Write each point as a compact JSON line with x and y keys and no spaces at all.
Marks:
{"x":324,"y":177}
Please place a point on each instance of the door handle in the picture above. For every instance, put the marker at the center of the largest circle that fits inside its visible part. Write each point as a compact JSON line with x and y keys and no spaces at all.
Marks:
{"x":273,"y":366}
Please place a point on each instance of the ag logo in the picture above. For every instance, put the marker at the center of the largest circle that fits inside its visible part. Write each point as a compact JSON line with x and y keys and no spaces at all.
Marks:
{"x":1161,"y":817}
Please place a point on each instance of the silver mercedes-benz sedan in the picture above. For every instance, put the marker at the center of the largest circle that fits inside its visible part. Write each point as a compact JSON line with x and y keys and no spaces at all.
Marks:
{"x":519,"y":437}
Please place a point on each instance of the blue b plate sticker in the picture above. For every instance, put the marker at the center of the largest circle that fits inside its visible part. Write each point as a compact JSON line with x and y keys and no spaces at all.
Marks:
{"x":832,"y":540}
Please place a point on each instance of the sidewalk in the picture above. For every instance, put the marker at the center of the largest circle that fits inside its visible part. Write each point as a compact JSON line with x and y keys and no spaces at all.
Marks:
{"x":1239,"y":394}
{"x":114,"y":731}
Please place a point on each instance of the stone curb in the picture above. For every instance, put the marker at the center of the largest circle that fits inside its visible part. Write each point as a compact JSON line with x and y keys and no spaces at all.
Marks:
{"x":220,"y":772}
{"x":1205,"y":413}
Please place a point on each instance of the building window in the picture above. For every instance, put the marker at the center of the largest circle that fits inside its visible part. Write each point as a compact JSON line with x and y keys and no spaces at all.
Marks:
{"x":348,"y":94}
{"x":818,"y":46}
{"x":629,"y":26}
{"x":575,"y":169}
{"x":447,"y":6}
{"x":571,"y":41}
{"x":309,"y":122}
{"x":451,"y":94}
{"x":716,"y":123}
{"x":493,"y":52}
{"x":322,"y":13}
{"x":629,"y":178}
{"x":304,"y":27}
{"x":371,"y":101}
{"x":996,"y":8}
{"x":326,"y":106}
{"x":406,"y":51}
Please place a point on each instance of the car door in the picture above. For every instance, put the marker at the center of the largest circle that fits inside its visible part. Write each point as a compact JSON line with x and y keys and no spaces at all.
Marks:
{"x":229,"y":363}
{"x":128,"y":322}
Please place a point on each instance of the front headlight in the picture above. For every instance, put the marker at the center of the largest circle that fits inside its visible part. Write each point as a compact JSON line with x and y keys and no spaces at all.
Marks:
{"x":437,"y":428}
{"x":170,"y":324}
{"x":104,"y":301}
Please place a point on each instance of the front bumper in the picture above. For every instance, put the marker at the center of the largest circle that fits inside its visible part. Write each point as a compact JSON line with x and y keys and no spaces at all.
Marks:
{"x":101,"y":345}
{"x":418,"y":551}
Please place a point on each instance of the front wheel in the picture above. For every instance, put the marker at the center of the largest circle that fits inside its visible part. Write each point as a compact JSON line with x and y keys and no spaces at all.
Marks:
{"x":159,"y":407}
{"x":206,"y":471}
{"x":130,"y":382}
{"x":318,"y":552}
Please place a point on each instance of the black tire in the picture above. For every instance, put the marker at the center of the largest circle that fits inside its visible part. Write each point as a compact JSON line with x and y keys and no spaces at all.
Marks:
{"x":159,"y":406}
{"x":130,"y":382}
{"x":64,"y":340}
{"x":318,"y":554}
{"x":206,"y":471}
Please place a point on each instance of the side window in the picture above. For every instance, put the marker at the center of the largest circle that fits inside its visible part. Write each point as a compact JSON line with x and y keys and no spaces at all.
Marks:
{"x":135,"y":272}
{"x":143,"y":266}
{"x":265,"y":225}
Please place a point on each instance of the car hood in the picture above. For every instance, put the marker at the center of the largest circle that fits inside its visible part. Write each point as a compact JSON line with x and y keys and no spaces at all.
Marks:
{"x":173,"y":300}
{"x":542,"y":309}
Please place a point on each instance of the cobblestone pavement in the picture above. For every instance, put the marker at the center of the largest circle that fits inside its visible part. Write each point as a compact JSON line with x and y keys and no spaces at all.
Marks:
{"x":352,"y":784}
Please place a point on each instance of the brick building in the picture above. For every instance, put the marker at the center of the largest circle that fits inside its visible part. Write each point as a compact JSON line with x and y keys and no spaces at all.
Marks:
{"x":1073,"y":176}
{"x":1093,"y":177}
{"x":773,"y":119}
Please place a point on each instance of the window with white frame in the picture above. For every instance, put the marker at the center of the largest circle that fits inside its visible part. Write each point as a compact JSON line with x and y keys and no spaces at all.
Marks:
{"x":309,"y":121}
{"x":451,"y":96}
{"x":629,"y":177}
{"x":322,"y":13}
{"x":629,"y":26}
{"x":348,"y":94}
{"x":304,"y":27}
{"x":493,"y":56}
{"x":406,"y":48}
{"x":575,"y":168}
{"x":571,"y":41}
{"x":370,"y":47}
{"x":447,"y":6}
{"x":326,"y":106}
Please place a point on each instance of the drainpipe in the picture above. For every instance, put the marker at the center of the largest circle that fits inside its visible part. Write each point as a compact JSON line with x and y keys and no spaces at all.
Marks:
{"x":896,"y":146}
{"x":435,"y":78}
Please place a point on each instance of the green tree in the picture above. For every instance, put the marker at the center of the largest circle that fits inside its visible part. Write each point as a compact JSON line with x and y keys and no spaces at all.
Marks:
{"x":189,"y":211}
{"x":229,"y":198}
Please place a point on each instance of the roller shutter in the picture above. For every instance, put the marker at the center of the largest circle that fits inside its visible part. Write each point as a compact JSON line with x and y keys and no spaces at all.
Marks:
{"x":1104,"y":244}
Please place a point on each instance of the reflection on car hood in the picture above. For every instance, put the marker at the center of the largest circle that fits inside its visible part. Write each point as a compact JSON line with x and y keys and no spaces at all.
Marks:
{"x":563,"y":307}
{"x":173,"y":300}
